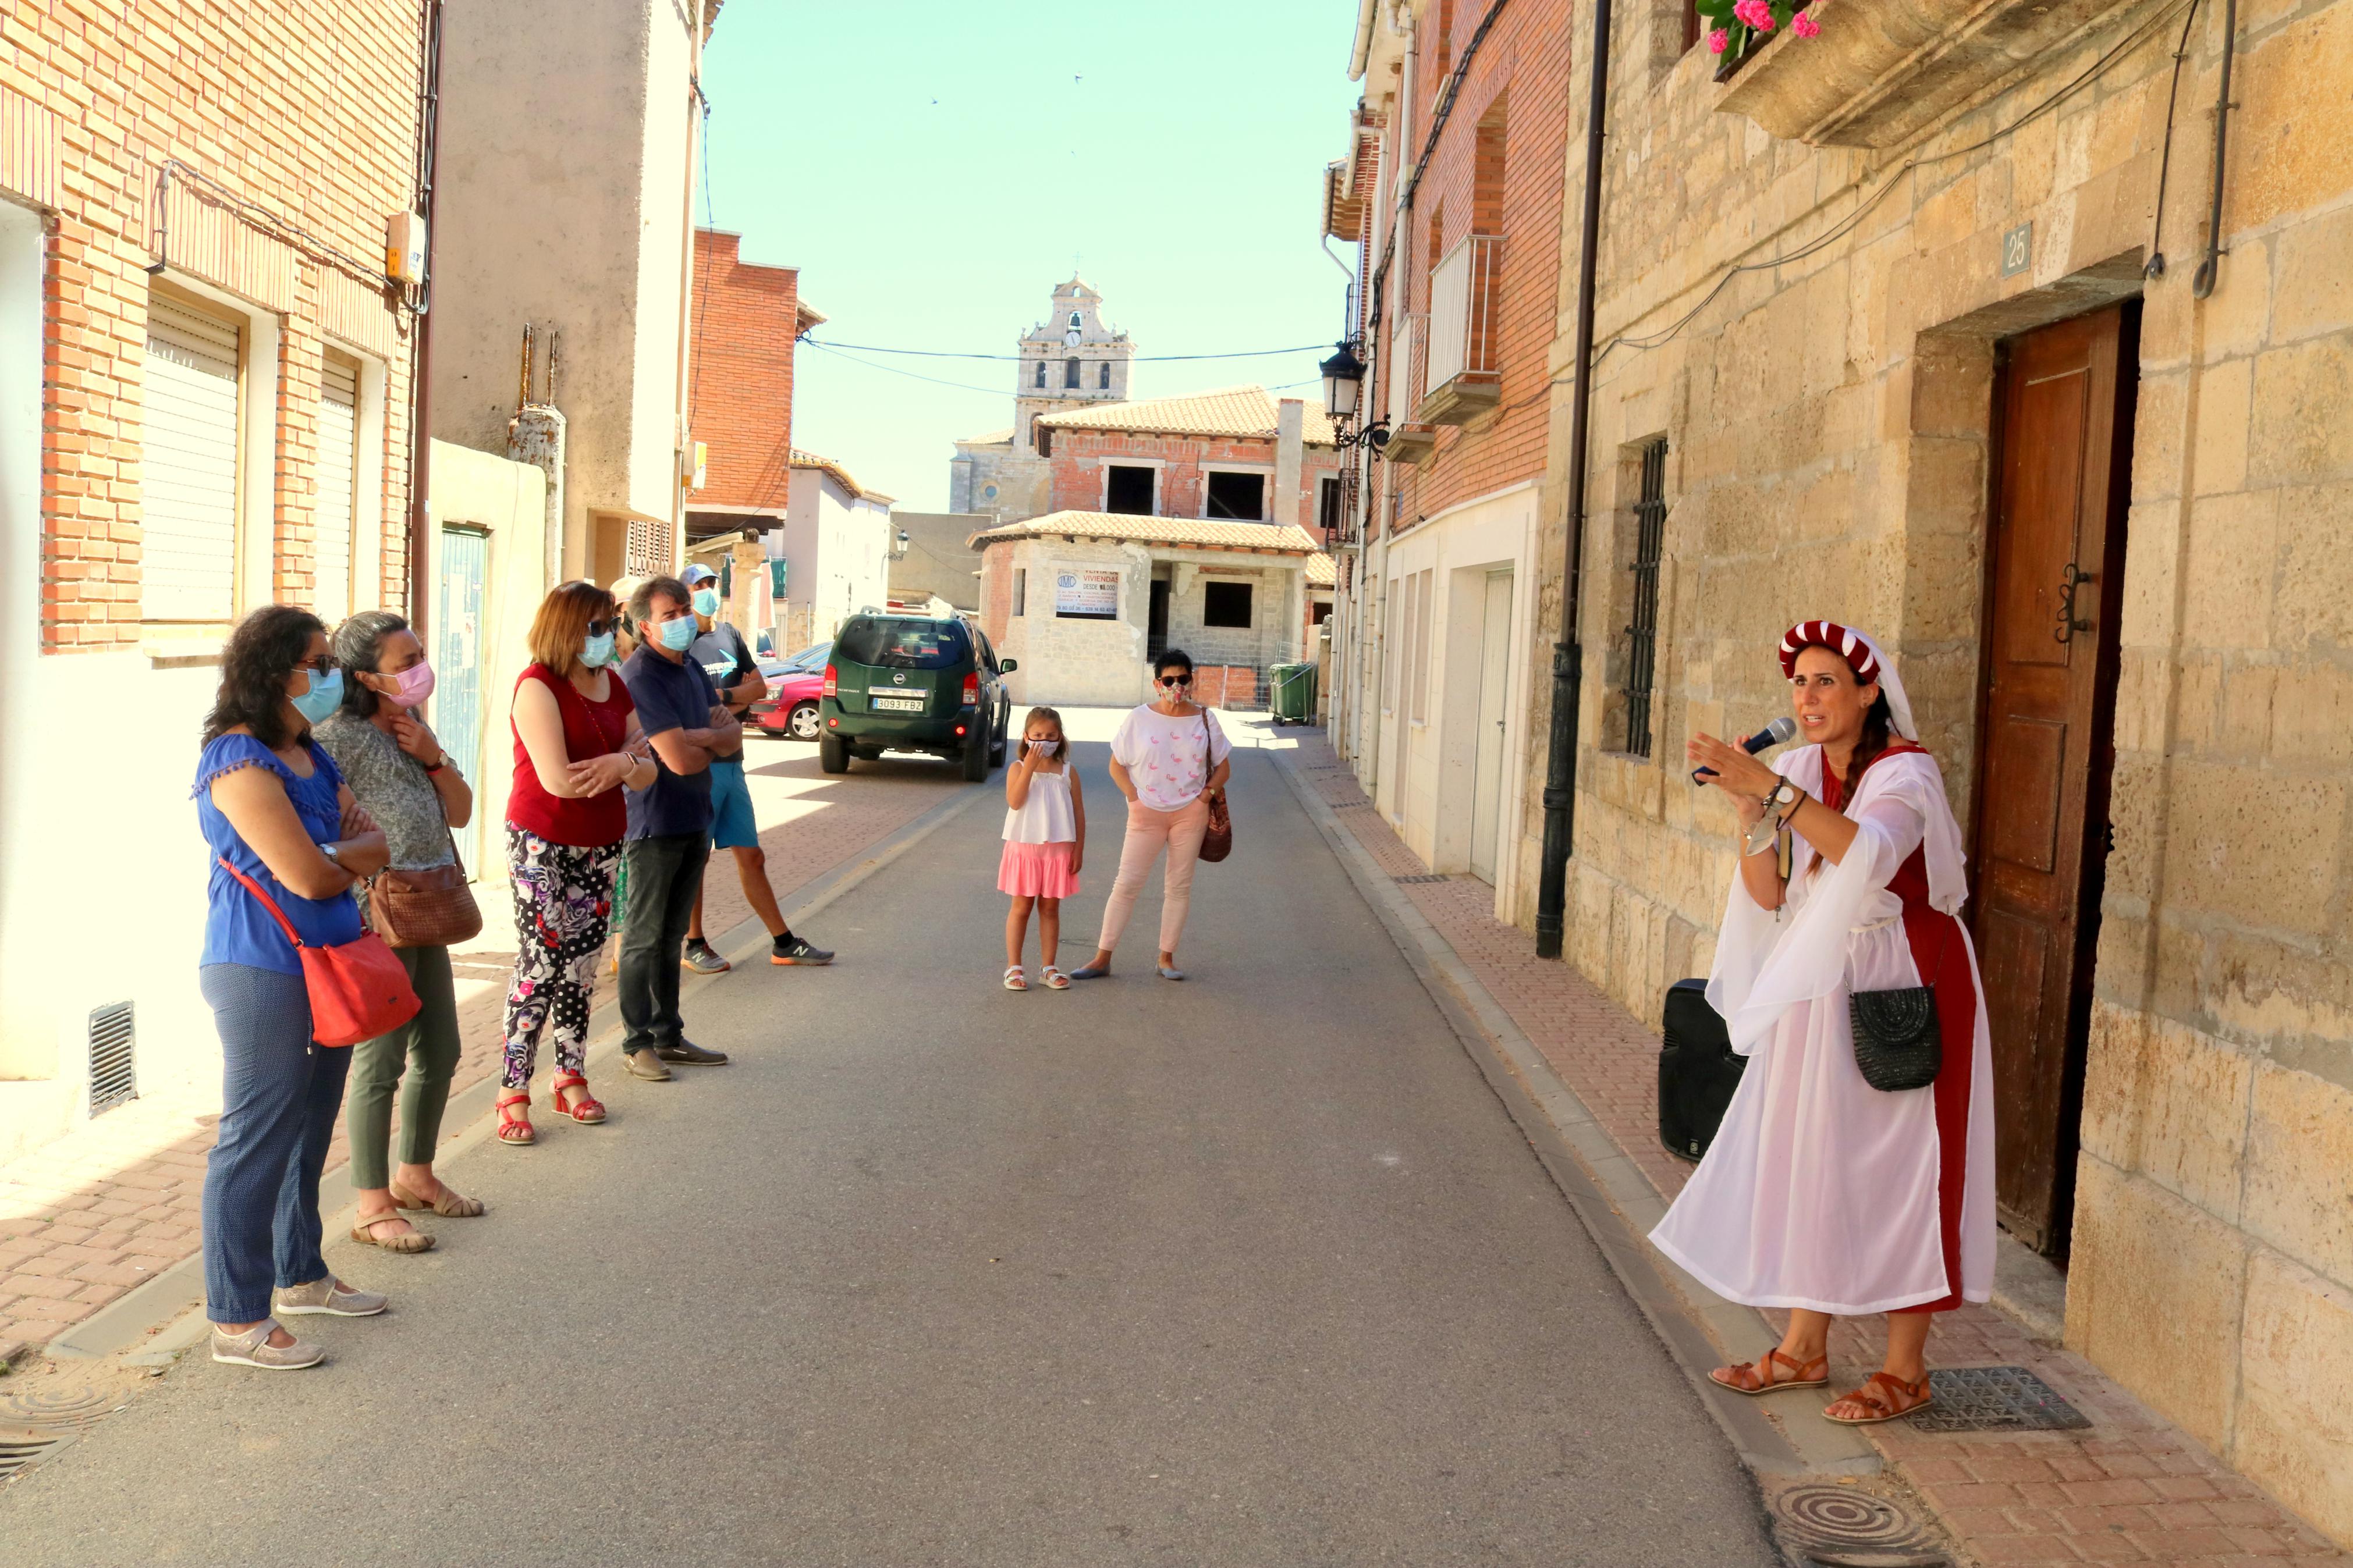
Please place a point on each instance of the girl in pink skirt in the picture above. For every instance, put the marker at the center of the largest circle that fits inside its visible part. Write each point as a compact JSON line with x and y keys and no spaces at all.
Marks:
{"x":1045,"y":839}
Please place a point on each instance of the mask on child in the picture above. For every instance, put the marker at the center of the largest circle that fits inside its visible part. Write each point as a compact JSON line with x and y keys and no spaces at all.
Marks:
{"x":1045,"y":748}
{"x":706,"y":602}
{"x":678,"y":635}
{"x":325,"y":695}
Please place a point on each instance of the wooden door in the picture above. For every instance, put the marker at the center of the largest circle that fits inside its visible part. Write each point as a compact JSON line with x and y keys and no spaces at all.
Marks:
{"x":2047,"y":744}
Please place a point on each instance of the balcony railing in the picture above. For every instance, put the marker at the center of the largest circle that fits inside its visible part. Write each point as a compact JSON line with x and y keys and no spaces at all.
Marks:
{"x":1464,"y":291}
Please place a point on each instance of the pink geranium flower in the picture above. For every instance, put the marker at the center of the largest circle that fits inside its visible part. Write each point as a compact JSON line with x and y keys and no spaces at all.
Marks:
{"x":1757,"y":14}
{"x":1717,"y":41}
{"x":1805,"y":27}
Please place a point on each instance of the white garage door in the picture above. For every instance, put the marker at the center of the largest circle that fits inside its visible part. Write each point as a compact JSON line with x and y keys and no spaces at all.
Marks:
{"x":189,"y":570}
{"x":339,"y":397}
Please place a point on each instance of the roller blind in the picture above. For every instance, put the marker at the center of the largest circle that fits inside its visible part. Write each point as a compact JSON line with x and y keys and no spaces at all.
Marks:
{"x":188,"y":558}
{"x":339,"y":397}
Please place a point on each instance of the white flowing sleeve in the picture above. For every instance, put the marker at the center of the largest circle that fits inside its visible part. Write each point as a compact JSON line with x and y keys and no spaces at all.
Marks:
{"x":1810,"y":959}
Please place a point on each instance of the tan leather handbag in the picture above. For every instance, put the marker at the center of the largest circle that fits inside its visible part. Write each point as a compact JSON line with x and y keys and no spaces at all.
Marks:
{"x":432,"y":907}
{"x":1219,"y":841}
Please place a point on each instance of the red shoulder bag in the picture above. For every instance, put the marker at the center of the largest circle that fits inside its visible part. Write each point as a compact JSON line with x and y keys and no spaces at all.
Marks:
{"x":358,"y":989}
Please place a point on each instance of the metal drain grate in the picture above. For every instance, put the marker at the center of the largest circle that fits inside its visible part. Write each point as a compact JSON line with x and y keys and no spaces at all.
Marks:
{"x":67,"y":1409}
{"x":114,"y":1053}
{"x":20,"y":1450}
{"x":1439,"y":878}
{"x":1846,"y":1527}
{"x":1996,"y":1399}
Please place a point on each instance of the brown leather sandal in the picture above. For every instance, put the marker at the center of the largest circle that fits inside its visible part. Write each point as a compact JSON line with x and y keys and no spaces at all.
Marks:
{"x":410,"y":1240}
{"x":1754,"y":1377}
{"x":1895,"y":1397}
{"x":448,"y":1204}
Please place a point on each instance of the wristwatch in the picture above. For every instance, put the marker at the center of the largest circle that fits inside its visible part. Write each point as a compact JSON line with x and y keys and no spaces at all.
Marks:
{"x":1783,"y":800}
{"x":333,"y":858}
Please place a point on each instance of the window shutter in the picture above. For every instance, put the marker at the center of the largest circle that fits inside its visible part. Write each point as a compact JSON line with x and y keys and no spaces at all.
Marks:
{"x":189,"y":570}
{"x":339,"y":399}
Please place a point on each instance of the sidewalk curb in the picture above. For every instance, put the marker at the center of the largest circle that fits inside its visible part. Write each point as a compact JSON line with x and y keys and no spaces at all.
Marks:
{"x":1610,"y":1194}
{"x":165,"y":1315}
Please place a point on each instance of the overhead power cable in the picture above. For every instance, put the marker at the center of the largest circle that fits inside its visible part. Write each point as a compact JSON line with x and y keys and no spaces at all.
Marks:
{"x":894,"y":370}
{"x":1139,"y":359}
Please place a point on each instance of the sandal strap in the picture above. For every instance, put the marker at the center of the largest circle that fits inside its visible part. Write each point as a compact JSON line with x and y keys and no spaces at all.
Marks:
{"x":1899,"y":1395}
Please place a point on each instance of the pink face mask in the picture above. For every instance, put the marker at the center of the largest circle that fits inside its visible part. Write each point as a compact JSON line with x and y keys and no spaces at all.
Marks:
{"x":412,"y":685}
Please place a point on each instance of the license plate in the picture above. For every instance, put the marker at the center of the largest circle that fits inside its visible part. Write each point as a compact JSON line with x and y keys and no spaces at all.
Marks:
{"x":899,"y":704}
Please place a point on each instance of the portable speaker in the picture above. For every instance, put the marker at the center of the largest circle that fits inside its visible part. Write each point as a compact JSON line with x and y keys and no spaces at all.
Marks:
{"x":1697,"y":1071}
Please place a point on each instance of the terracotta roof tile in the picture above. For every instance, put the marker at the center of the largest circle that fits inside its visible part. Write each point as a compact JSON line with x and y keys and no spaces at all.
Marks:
{"x":1230,"y":411}
{"x":1321,"y":571}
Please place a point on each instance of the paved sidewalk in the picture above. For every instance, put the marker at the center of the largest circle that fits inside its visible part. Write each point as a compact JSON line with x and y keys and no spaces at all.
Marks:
{"x":2132,"y":1489}
{"x":103,"y":1210}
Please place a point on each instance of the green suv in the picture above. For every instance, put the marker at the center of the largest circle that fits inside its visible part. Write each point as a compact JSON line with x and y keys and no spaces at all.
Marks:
{"x":911,"y":683}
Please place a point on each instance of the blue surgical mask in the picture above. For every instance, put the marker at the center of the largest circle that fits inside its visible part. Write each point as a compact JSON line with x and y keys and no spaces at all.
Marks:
{"x":706,"y":602}
{"x":597,"y":652}
{"x":678,"y":635}
{"x":326,"y":695}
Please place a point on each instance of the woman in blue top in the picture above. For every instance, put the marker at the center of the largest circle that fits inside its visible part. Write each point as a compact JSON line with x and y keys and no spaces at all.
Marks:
{"x":272,"y":804}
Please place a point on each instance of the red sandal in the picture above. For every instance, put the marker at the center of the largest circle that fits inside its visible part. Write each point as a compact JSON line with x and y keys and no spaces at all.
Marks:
{"x":1754,"y":1377}
{"x":587,"y":1110}
{"x":1895,"y":1397}
{"x":514,"y":1127}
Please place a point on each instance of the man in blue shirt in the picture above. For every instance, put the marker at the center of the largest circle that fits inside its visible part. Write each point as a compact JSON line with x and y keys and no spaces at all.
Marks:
{"x":669,"y":822}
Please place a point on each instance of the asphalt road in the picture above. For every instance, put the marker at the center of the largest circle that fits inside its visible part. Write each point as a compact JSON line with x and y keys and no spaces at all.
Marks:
{"x":1252,"y":1269}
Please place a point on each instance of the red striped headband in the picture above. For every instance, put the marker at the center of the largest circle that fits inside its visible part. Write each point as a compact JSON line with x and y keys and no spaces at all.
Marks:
{"x":1839,"y":640}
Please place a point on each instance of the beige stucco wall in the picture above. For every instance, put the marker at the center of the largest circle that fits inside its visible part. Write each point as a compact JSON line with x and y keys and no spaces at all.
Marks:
{"x":562,"y":202}
{"x":1829,"y":421}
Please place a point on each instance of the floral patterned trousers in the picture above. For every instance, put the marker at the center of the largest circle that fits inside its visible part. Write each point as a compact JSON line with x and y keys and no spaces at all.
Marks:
{"x":562,"y":901}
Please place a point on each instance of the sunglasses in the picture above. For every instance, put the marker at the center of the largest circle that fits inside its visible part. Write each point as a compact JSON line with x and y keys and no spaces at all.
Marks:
{"x":598,"y":627}
{"x":1174,"y":681}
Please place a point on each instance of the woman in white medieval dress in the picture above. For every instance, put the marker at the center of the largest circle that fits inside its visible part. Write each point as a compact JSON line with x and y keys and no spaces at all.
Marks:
{"x":1820,"y":1193}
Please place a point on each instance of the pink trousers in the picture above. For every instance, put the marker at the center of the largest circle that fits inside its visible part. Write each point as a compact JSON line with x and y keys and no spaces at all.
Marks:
{"x":1181,"y":831}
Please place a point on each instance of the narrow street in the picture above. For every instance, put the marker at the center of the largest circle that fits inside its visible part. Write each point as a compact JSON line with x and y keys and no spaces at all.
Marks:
{"x":1254,"y":1270}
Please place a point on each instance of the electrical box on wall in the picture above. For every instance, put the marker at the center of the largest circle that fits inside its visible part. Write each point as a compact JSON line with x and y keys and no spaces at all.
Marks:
{"x":694,"y":463}
{"x":404,"y":247}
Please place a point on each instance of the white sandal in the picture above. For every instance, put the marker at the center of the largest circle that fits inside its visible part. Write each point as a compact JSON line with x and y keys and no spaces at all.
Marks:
{"x":1054,"y":978}
{"x":1013,"y":980}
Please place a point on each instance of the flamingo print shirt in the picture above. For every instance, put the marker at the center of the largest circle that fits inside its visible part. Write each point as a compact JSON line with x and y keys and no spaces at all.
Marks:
{"x":1168,"y":760}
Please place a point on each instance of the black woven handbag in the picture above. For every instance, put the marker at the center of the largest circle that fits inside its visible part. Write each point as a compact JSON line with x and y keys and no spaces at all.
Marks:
{"x":1898,"y":1044}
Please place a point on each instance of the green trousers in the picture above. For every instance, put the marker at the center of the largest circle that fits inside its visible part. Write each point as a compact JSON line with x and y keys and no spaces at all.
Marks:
{"x":426,"y":1048}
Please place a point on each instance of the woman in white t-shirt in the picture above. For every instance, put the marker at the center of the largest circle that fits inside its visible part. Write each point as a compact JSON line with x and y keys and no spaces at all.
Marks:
{"x":1168,"y":757}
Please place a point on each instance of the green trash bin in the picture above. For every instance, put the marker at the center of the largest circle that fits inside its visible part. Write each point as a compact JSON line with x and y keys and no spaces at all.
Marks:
{"x":1292,"y":700}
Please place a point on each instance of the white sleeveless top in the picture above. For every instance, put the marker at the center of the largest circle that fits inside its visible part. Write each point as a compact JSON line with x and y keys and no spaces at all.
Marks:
{"x":1046,"y":817}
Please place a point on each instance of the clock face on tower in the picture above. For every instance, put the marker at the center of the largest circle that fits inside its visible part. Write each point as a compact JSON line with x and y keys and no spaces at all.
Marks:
{"x":1072,"y":337}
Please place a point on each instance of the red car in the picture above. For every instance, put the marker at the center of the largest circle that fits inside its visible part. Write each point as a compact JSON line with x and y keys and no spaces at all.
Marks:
{"x":789,"y":709}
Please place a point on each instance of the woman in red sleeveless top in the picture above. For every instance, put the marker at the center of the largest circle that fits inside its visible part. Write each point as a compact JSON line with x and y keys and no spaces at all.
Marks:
{"x":1820,"y":1193}
{"x":577,"y":743}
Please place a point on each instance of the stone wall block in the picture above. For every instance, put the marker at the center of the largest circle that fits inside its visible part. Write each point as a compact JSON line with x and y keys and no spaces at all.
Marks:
{"x":2295,"y":1427}
{"x":2313,"y":609}
{"x":2224,"y":393}
{"x":2153,"y":541}
{"x":2310,"y":293}
{"x":2299,"y":1175}
{"x":2153,"y":1287}
{"x":2293,"y":133}
{"x":2252,"y":845}
{"x":2244,"y":719}
{"x":2166,"y":1102}
{"x":2235,"y":320}
{"x":2159,"y":410}
{"x":2312,"y":715}
{"x":2233,"y":555}
{"x":2301,"y":392}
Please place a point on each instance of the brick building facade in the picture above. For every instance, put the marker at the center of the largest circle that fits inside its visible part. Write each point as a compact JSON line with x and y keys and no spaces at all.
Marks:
{"x":206,"y":386}
{"x":1452,"y":188}
{"x":748,"y":316}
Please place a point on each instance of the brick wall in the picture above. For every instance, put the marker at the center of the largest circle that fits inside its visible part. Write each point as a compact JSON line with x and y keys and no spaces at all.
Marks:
{"x":746,"y":317}
{"x":1080,"y":455}
{"x":1510,"y":119}
{"x":306,"y":112}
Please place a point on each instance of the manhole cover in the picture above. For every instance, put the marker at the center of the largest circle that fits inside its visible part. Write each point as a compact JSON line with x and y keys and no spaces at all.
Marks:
{"x":1439,"y":878}
{"x":22,"y":1449}
{"x":1996,"y":1399}
{"x":69,"y":1408}
{"x":1846,"y":1527}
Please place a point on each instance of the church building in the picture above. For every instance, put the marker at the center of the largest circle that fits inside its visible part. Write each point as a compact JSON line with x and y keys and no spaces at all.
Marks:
{"x":1072,"y":359}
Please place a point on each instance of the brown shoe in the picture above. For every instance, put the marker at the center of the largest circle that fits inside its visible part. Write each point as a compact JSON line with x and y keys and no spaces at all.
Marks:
{"x":646,"y":1065}
{"x":410,"y":1239}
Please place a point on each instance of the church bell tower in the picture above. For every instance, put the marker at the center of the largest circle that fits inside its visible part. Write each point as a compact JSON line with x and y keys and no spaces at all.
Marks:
{"x":1070,"y":360}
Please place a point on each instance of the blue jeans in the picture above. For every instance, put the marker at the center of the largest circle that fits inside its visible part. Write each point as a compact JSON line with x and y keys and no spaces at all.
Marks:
{"x":280,"y":1096}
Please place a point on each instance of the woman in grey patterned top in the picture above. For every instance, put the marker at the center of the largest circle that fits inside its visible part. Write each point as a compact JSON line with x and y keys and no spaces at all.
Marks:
{"x":404,"y":779}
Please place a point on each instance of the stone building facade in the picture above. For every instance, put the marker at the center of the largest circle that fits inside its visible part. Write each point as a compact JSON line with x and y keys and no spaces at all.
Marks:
{"x":1072,"y":358}
{"x":1898,"y":332}
{"x":203,"y":397}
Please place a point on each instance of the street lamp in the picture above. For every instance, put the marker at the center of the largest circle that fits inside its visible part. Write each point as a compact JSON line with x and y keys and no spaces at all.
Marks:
{"x":1344,"y":378}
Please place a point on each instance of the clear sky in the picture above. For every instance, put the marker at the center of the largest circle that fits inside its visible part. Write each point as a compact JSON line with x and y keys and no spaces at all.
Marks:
{"x":933,"y":167}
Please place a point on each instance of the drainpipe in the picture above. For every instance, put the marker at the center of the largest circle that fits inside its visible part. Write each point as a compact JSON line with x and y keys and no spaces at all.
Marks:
{"x":420,"y":374}
{"x":1568,"y":653}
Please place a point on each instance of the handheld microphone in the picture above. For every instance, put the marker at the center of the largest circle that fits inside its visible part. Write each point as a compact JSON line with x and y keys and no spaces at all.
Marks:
{"x":1773,"y":734}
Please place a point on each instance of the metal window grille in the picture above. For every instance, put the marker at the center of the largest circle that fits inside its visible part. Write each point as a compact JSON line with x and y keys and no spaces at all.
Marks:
{"x":1642,"y":636}
{"x":113,"y":1066}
